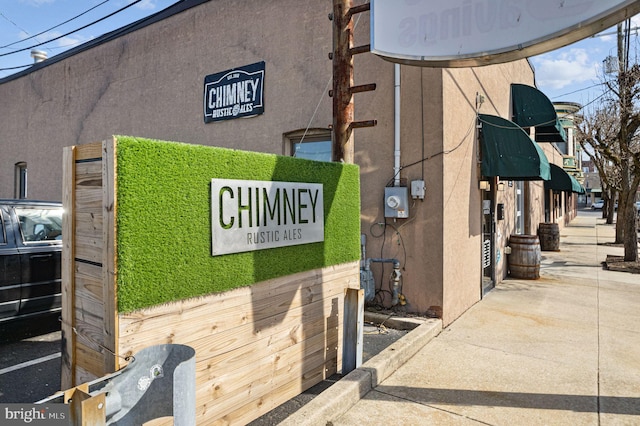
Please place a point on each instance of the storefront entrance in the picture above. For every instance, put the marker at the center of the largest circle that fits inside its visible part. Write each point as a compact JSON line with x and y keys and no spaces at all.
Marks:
{"x":488,"y":242}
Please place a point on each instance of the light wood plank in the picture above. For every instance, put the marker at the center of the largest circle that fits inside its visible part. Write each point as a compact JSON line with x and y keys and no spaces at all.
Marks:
{"x":89,"y":288}
{"x":223,"y":335}
{"x":67,"y":268}
{"x":348,"y":273}
{"x":89,"y":225}
{"x":88,"y":199}
{"x":90,"y":359}
{"x":109,"y":261}
{"x":271,"y":400}
{"x":312,"y":368}
{"x":83,"y":376}
{"x":88,"y":270}
{"x":228,"y":383}
{"x":89,"y":324}
{"x":89,"y":151}
{"x":234,"y":308}
{"x":87,"y":305}
{"x":89,"y":174}
{"x":89,"y":249}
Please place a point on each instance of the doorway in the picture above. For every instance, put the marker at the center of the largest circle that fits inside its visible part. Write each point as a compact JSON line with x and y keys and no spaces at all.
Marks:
{"x":488,"y":241}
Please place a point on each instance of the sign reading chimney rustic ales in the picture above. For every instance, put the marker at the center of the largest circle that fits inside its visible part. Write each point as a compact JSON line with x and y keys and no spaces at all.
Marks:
{"x":234,"y":93}
{"x":248,"y":215}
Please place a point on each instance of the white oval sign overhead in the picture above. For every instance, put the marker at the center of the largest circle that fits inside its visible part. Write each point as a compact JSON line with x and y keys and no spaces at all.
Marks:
{"x":462,"y":33}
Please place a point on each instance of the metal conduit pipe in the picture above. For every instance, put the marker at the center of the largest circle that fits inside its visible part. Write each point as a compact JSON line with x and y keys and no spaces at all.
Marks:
{"x":395,"y":276}
{"x":396,"y":131}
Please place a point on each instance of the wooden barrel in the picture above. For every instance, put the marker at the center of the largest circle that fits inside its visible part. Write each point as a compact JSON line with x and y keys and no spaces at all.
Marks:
{"x":524,"y":260}
{"x":549,"y":234}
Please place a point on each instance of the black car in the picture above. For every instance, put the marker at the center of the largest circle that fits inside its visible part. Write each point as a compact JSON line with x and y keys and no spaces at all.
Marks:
{"x":30,"y":255}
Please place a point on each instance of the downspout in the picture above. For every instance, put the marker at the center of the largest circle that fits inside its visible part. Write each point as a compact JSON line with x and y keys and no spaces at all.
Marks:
{"x":396,"y":136}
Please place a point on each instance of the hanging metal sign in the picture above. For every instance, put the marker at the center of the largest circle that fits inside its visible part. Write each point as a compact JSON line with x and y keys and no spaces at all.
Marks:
{"x":463,"y":33}
{"x":249,"y":215}
{"x":234,"y":93}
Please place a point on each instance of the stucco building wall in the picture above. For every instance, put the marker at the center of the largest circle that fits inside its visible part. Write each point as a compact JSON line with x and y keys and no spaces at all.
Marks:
{"x":467,"y":91}
{"x":149,"y":83}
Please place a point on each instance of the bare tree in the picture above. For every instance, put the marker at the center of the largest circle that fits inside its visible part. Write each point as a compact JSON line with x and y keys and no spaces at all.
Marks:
{"x":610,"y":136}
{"x":627,"y":89}
{"x":597,"y":133}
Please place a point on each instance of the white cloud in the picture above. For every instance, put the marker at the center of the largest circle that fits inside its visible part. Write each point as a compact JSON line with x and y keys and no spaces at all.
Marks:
{"x":71,"y":41}
{"x":60,"y":44}
{"x":564,"y":68}
{"x":37,"y":3}
{"x":146,"y":5}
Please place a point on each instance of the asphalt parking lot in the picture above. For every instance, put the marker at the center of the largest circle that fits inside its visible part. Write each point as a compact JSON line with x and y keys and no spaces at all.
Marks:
{"x":29,"y":360}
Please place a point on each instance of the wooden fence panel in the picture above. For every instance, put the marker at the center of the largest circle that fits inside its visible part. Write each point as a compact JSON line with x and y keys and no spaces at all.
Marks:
{"x":256,"y":346}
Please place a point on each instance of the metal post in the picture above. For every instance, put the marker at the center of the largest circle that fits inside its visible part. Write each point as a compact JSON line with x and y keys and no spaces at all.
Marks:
{"x":160,"y":381}
{"x":353,"y":325}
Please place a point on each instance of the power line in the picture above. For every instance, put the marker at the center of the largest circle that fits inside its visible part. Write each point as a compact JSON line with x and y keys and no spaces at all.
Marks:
{"x":614,"y":32}
{"x":66,"y":46}
{"x":579,"y":90}
{"x":16,"y":67}
{"x":52,"y":28}
{"x":74,"y":31}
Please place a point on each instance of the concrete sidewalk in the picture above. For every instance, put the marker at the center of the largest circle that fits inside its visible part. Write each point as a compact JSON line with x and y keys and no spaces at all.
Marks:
{"x":561,"y":350}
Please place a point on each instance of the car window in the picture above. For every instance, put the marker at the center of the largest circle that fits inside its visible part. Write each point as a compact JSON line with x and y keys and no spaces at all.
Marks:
{"x":40,"y":224}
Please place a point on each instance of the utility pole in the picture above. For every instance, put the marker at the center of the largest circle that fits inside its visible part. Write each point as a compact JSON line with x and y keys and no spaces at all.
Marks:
{"x":344,"y":151}
{"x":343,"y":88}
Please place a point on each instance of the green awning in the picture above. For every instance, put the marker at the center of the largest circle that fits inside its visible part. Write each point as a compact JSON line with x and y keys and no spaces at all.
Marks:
{"x":563,"y":181}
{"x":532,"y":108}
{"x":509,"y":152}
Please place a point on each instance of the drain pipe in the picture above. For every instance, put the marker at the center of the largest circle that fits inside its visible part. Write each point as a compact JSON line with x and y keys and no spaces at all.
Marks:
{"x":395,"y":276}
{"x":396,"y":136}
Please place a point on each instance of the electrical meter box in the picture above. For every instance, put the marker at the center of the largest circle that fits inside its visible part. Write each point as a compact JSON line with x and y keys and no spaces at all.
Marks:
{"x":417,"y":189}
{"x":396,"y":202}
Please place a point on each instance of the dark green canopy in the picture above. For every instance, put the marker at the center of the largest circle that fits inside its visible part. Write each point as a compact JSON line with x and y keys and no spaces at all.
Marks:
{"x":563,"y":181}
{"x":509,"y":152}
{"x":532,"y":108}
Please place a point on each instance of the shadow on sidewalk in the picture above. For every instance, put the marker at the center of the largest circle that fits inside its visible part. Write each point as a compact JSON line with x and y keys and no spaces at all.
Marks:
{"x":463,"y":397}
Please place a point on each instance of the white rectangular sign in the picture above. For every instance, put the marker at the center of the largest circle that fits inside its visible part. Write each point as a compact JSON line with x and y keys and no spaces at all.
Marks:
{"x":462,"y":33}
{"x":248,"y":215}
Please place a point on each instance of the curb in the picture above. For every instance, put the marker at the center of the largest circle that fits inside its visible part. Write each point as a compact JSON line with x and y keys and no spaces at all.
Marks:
{"x":392,"y":321}
{"x":346,"y":392}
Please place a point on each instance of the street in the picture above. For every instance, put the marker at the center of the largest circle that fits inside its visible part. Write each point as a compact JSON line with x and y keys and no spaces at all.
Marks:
{"x":29,"y":360}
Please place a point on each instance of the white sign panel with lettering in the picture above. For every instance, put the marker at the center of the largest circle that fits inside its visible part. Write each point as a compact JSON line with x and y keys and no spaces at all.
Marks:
{"x":461,"y":33}
{"x":248,"y":215}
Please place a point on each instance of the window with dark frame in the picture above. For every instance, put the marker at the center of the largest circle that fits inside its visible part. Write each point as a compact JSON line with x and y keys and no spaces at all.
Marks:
{"x":315,"y":145}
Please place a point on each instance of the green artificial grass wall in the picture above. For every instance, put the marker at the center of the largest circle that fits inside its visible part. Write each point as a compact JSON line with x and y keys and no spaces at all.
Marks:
{"x":164,"y":220}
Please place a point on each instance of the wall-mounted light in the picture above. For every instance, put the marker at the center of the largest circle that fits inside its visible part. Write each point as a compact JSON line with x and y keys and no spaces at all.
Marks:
{"x":484,"y":185}
{"x":500,"y":186}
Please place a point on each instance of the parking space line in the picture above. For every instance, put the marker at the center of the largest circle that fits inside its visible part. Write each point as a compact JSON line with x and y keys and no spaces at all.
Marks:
{"x":29,"y":363}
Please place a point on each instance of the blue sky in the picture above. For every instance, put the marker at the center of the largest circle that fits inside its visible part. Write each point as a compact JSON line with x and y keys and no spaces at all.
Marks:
{"x":20,"y":19}
{"x":573,"y":73}
{"x":568,"y":74}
